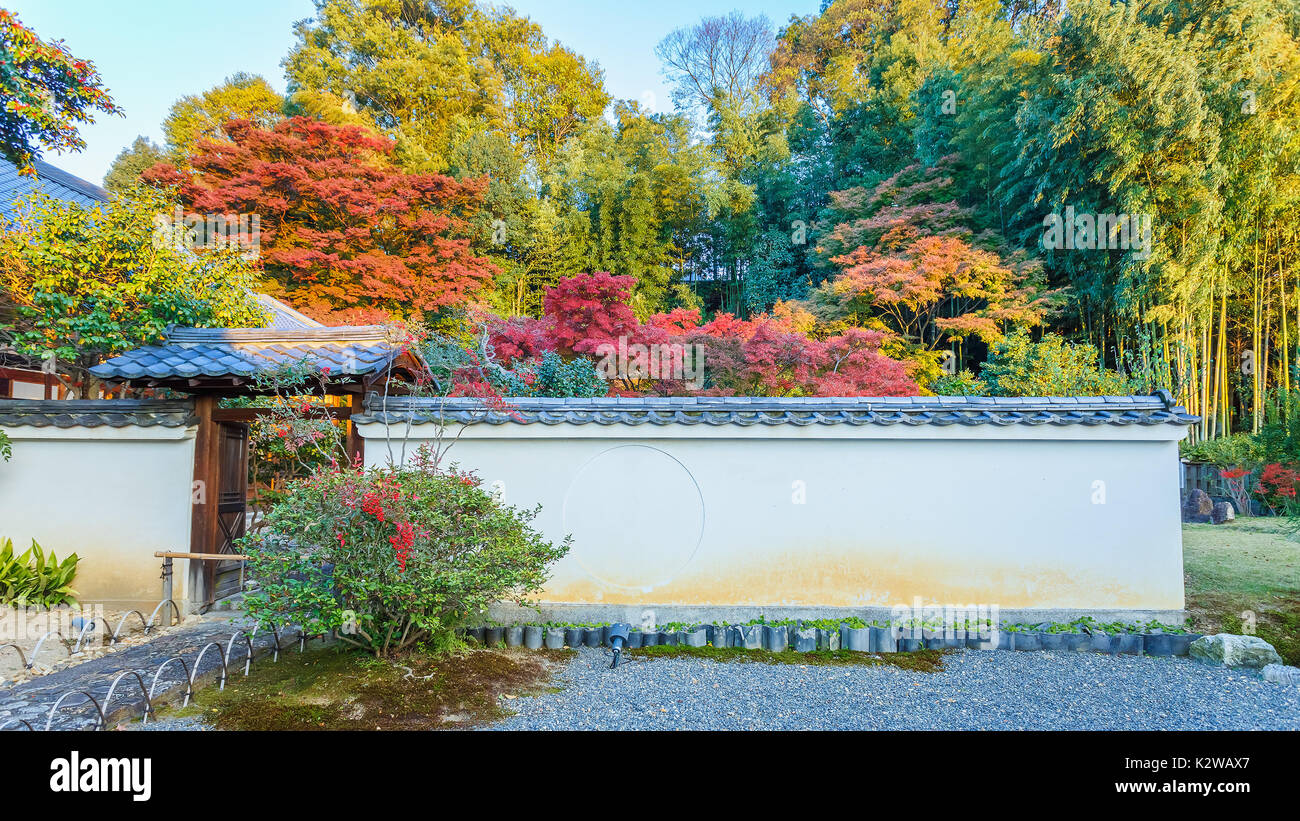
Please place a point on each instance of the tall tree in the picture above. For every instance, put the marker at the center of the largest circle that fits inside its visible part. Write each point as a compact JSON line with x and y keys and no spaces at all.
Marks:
{"x":131,"y":162}
{"x":718,"y":57}
{"x":641,"y":191}
{"x":202,"y":116}
{"x":430,"y":73}
{"x":46,"y":93}
{"x":345,"y":236}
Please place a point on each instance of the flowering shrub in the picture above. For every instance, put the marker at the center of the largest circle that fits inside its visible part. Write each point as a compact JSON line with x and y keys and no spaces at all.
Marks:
{"x":393,"y":557}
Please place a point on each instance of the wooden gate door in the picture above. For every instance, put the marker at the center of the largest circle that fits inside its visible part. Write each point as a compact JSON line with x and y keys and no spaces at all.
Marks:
{"x":226,"y":577}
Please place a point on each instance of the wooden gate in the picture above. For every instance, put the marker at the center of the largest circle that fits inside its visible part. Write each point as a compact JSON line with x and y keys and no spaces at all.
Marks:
{"x":232,"y":507}
{"x":220,"y":503}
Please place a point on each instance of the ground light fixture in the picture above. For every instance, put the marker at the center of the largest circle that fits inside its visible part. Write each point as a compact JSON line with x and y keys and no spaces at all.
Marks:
{"x":617,"y":637}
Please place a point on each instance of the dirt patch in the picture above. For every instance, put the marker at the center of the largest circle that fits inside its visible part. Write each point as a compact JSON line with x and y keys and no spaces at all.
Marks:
{"x":922,"y":661}
{"x":336,"y":689}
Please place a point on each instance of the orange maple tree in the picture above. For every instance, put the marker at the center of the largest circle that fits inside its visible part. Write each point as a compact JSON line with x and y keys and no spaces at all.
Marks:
{"x":345,"y":236}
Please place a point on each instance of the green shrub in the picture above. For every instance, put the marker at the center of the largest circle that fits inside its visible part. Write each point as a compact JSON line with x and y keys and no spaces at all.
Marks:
{"x":964,"y":383}
{"x":1279,"y":438}
{"x":34,"y":578}
{"x":1051,"y":367}
{"x":393,"y":557}
{"x":575,"y":378}
{"x":6,"y":449}
{"x":1237,"y":450}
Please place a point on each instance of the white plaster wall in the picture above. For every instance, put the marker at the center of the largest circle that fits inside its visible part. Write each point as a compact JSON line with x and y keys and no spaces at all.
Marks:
{"x":113,"y":496}
{"x":1022,"y":517}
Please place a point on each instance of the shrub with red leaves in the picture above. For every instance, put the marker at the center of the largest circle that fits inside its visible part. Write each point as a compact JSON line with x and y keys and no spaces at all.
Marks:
{"x":1276,"y":486}
{"x":765,"y":356}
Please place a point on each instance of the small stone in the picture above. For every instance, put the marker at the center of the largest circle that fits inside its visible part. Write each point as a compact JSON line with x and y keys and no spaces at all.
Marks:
{"x":1282,"y":674}
{"x":1222,"y":512}
{"x":1229,"y":650}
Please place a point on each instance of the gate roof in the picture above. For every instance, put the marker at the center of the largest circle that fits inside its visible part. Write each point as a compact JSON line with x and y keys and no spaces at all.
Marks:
{"x":227,"y":361}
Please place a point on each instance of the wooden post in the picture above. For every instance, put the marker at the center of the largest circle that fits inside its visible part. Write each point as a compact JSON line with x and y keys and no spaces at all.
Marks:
{"x":167,"y":580}
{"x":204,"y":498}
{"x":356,"y":445}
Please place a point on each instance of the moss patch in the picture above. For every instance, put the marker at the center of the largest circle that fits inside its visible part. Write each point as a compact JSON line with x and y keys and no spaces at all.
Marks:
{"x":1247,"y":565}
{"x":924,"y":661}
{"x":336,"y":689}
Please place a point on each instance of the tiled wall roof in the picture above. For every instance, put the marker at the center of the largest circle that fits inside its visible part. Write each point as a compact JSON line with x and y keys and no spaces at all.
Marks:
{"x":94,"y":413}
{"x":194,"y":352}
{"x":907,"y":410}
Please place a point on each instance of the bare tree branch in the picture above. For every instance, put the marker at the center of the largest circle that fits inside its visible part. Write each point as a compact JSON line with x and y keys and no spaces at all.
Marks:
{"x":719,"y":56}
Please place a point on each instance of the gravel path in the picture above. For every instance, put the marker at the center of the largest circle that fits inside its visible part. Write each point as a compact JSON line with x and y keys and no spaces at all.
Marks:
{"x":999,"y":690}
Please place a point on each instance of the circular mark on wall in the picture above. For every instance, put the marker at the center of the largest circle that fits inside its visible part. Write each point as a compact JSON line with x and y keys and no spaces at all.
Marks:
{"x":636,"y":515}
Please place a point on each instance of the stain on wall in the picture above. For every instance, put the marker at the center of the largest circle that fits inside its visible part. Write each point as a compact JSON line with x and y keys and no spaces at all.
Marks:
{"x":843,"y":579}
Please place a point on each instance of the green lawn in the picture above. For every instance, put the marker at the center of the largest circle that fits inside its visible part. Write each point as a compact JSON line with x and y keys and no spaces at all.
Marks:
{"x":1245,"y":565}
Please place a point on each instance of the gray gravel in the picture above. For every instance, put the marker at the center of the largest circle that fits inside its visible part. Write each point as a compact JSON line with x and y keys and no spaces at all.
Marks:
{"x":175,"y":723}
{"x":997,"y":690}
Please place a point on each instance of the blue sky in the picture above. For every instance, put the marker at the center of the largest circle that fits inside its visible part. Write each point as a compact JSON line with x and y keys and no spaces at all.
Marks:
{"x":150,"y":52}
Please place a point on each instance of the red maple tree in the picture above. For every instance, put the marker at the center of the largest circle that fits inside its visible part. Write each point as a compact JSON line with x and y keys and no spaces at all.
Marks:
{"x":590,"y":309}
{"x":345,"y":236}
{"x":763,"y":356}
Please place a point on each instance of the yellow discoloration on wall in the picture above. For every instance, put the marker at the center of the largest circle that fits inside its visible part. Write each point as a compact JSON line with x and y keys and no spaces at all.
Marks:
{"x":113,"y":496}
{"x":115,"y":573}
{"x":841,"y":579}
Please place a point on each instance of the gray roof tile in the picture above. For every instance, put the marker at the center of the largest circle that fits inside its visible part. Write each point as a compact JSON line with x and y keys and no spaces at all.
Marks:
{"x":94,"y":413}
{"x":757,"y":410}
{"x":217,"y":352}
{"x":53,"y":181}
